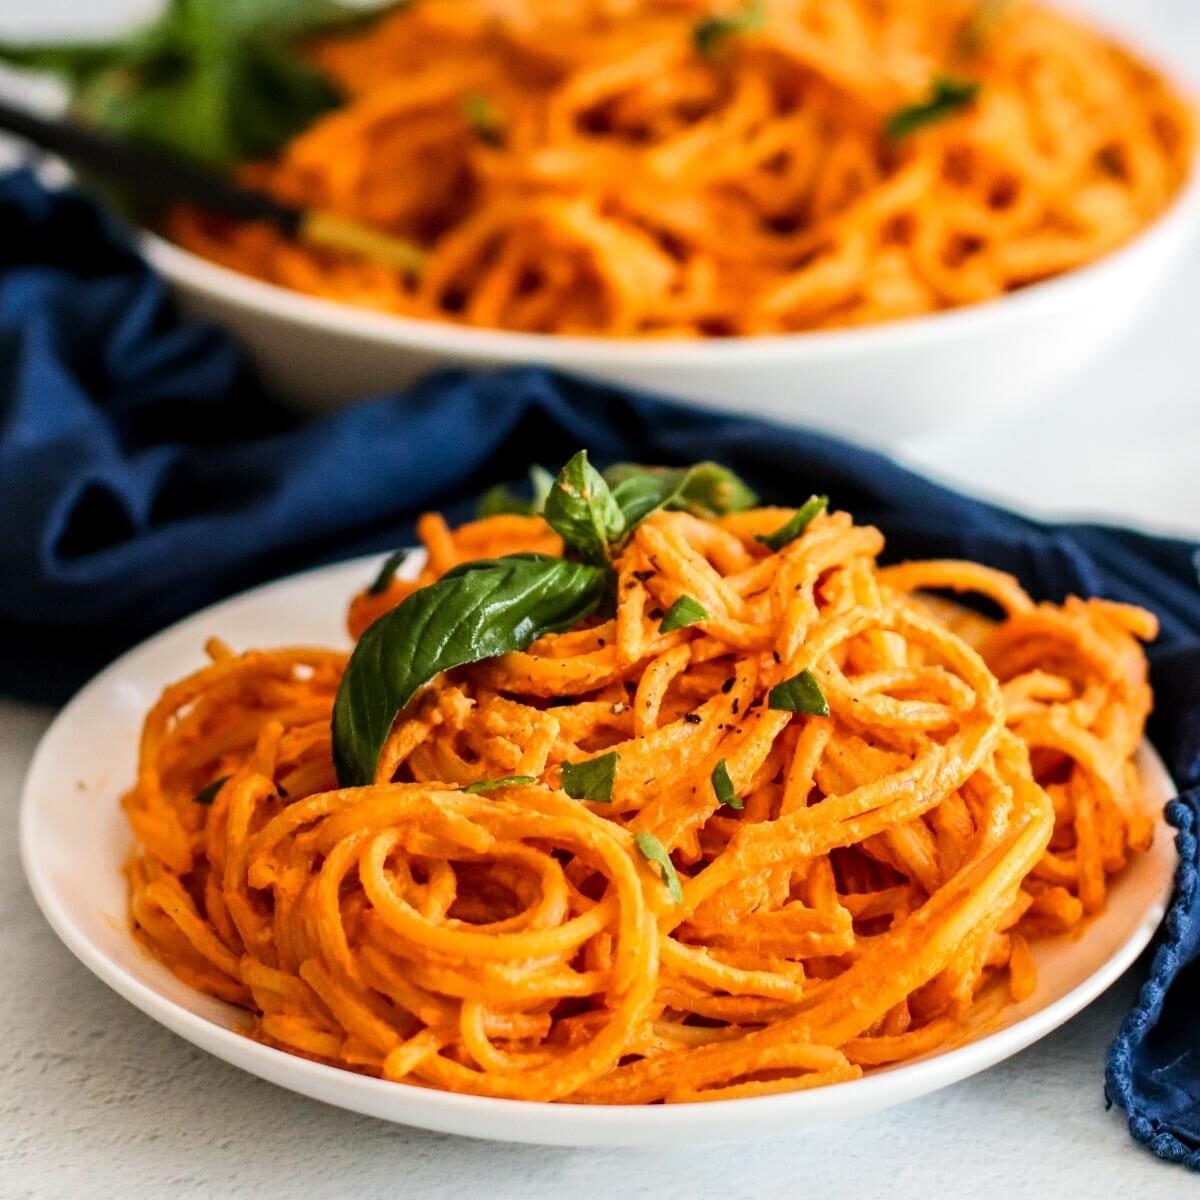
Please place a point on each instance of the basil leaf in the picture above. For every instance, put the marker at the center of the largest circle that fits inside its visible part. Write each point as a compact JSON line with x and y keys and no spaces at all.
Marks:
{"x":705,"y":489}
{"x":652,"y":850}
{"x":802,"y":693}
{"x":387,"y":572}
{"x":638,"y":496}
{"x":723,"y":786}
{"x":796,"y":524}
{"x":946,"y":97}
{"x":476,"y":611}
{"x":581,"y":510}
{"x":685,"y":611}
{"x":490,"y":785}
{"x":501,"y":499}
{"x":712,"y":32}
{"x":206,"y":795}
{"x":591,"y":779}
{"x":217,"y":81}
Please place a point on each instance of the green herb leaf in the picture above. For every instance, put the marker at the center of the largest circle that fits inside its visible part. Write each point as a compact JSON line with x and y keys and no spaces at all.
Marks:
{"x":490,"y":785}
{"x":501,"y":499}
{"x":652,"y":850}
{"x":685,"y":611}
{"x":802,"y":693}
{"x":946,"y":97}
{"x":705,"y":489}
{"x":723,"y":786}
{"x":484,"y":118}
{"x":796,"y":524}
{"x":206,"y":795}
{"x":387,"y":572}
{"x":475,"y":611}
{"x":591,"y":779}
{"x":581,"y":510}
{"x":710,"y":34}
{"x":217,"y":81}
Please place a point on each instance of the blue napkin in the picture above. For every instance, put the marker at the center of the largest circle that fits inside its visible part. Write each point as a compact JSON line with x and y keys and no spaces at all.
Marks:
{"x":143,"y":474}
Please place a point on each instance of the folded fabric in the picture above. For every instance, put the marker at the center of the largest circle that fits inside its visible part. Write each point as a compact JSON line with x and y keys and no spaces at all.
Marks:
{"x":143,"y":474}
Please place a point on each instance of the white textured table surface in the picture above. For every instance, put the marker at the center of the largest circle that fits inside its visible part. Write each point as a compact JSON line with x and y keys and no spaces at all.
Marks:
{"x":98,"y":1101}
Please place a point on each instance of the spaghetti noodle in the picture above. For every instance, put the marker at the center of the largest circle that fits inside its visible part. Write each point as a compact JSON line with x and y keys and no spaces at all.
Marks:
{"x":774,"y":896}
{"x":600,"y":167}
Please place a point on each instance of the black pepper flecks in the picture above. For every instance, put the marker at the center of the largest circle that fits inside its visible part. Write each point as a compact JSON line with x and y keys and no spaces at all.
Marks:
{"x":692,"y":718}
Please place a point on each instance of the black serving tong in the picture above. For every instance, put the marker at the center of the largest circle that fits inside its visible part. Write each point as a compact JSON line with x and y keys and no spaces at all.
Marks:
{"x":149,"y":170}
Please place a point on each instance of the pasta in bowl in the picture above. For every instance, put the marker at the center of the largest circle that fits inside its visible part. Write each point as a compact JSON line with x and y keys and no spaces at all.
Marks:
{"x":870,"y":218}
{"x":655,"y":796}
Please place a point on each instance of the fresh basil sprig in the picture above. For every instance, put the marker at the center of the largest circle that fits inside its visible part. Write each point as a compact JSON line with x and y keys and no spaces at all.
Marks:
{"x":594,"y":513}
{"x":705,"y":489}
{"x":217,"y":81}
{"x":582,"y":511}
{"x":947,"y":96}
{"x":476,"y":611}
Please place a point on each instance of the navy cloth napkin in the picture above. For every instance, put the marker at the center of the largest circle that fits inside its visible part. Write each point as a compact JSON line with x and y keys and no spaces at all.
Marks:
{"x":144,"y":474}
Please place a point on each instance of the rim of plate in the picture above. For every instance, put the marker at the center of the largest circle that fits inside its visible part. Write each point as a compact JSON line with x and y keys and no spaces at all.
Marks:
{"x":542,"y":1122}
{"x":1176,"y":223}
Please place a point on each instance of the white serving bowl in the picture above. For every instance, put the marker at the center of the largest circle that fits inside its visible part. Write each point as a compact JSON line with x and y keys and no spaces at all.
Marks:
{"x":877,"y":384}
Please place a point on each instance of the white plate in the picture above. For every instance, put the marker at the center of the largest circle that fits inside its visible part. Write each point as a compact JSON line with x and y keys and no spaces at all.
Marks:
{"x":74,"y":841}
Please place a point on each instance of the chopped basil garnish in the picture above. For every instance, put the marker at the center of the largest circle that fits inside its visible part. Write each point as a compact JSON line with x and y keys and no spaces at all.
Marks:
{"x":796,"y":524}
{"x":652,"y":850}
{"x":475,"y":611}
{"x":802,"y":693}
{"x":490,"y":785}
{"x":723,"y":786}
{"x":946,"y":97}
{"x":685,"y":611}
{"x":711,"y":33}
{"x":387,"y":572}
{"x":206,"y":795}
{"x":591,"y":779}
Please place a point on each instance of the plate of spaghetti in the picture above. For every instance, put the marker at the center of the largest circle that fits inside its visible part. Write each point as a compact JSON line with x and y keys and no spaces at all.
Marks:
{"x":634,"y":812}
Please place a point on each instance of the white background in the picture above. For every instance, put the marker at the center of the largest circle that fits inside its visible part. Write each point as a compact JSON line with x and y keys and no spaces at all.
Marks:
{"x":97,"y":1101}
